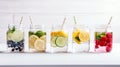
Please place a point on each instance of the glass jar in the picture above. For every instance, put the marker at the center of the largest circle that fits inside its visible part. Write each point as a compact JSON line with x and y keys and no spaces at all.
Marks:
{"x":103,"y":38}
{"x":15,"y":38}
{"x":59,"y":39}
{"x":37,"y":38}
{"x":80,"y":38}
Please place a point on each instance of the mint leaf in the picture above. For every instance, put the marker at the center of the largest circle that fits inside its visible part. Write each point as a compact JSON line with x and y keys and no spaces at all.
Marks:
{"x":31,"y":33}
{"x":77,"y":38}
{"x":103,"y":33}
{"x":39,"y":33}
{"x":13,"y":29}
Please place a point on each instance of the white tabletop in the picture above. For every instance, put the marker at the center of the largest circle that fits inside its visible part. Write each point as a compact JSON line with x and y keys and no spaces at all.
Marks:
{"x":112,"y":58}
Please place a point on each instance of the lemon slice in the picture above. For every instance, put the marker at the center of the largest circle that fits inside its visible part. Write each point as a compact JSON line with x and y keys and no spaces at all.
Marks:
{"x":62,"y":33}
{"x":84,"y":36}
{"x":39,"y":45}
{"x":59,"y":33}
{"x":32,"y":40}
{"x":43,"y":38}
{"x":75,"y":36}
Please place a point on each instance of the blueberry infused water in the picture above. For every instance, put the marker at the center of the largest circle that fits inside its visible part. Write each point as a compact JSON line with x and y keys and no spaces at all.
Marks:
{"x":15,"y":39}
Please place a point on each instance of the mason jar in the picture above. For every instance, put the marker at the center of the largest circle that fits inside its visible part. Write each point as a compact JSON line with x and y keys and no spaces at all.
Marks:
{"x":103,"y":38}
{"x":59,"y":39}
{"x":15,"y":38}
{"x":80,"y":38}
{"x":37,"y":38}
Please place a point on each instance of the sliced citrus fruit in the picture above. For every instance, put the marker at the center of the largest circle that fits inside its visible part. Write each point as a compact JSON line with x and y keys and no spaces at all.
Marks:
{"x":43,"y":38}
{"x":84,"y":36}
{"x":61,"y":41}
{"x":75,"y":36}
{"x":53,"y":39}
{"x":62,"y":33}
{"x":32,"y":40}
{"x":59,"y":33}
{"x":39,"y":45}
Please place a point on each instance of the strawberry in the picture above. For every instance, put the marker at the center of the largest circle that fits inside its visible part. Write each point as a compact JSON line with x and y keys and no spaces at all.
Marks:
{"x":103,"y":38}
{"x":108,"y":49}
{"x":102,"y":43}
{"x":109,"y":35}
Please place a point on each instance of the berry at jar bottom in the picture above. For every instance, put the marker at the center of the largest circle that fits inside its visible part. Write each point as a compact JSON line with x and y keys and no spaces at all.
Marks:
{"x":103,"y":41}
{"x":15,"y":46}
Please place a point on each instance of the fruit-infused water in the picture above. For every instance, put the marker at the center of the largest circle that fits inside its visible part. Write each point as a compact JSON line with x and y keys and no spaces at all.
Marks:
{"x":59,"y":39}
{"x":15,"y":38}
{"x":80,"y":38}
{"x":103,"y":39}
{"x":37,"y":38}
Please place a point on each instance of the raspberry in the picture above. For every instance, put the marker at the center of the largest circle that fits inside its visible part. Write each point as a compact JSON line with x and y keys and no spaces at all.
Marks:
{"x":102,"y":43}
{"x":96,"y":46}
{"x":109,"y":35}
{"x":109,"y":44}
{"x":97,"y":42}
{"x":103,"y":38}
{"x":109,"y":40}
{"x":108,"y":49}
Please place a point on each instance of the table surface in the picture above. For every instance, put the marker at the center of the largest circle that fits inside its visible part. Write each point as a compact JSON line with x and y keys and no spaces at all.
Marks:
{"x":62,"y":58}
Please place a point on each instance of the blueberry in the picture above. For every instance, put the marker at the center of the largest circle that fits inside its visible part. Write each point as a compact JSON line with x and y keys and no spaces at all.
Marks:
{"x":20,"y":49}
{"x":16,"y":48}
{"x":9,"y":45}
{"x":9,"y":42}
{"x":12,"y":50}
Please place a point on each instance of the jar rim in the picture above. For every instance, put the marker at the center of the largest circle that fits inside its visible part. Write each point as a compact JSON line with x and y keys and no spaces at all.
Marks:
{"x":102,"y":26}
{"x":37,"y":26}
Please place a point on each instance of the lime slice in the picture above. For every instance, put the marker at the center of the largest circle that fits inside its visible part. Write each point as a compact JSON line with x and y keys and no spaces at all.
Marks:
{"x":61,"y":41}
{"x":53,"y":39}
{"x":17,"y":35}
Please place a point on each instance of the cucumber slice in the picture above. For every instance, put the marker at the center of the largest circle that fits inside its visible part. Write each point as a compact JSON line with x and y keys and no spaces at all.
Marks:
{"x":17,"y":35}
{"x":53,"y":39}
{"x":61,"y":41}
{"x":9,"y":35}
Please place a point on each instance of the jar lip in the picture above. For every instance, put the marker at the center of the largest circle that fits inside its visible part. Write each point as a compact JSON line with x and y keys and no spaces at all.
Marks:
{"x":81,"y":25}
{"x":37,"y":26}
{"x":102,"y":26}
{"x":15,"y":25}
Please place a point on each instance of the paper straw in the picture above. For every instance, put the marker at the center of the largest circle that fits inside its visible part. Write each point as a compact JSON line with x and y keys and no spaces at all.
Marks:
{"x":63,"y":23}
